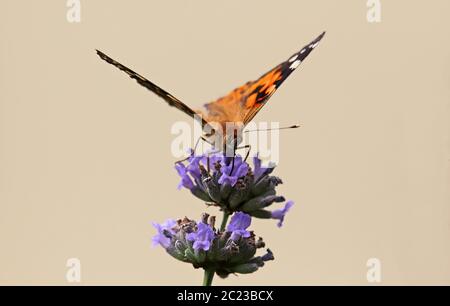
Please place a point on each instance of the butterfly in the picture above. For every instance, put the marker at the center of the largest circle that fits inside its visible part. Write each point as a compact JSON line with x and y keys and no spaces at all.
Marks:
{"x":234,"y":110}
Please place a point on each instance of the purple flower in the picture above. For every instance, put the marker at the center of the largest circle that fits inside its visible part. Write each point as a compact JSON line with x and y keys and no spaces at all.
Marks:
{"x":214,"y":158}
{"x":240,"y":169}
{"x":185,"y":178}
{"x":258,"y":170}
{"x":202,"y":238}
{"x":280,"y":213}
{"x":238,"y":225}
{"x":161,"y":238}
{"x":232,"y":184}
{"x":190,"y":173}
{"x":194,"y":166}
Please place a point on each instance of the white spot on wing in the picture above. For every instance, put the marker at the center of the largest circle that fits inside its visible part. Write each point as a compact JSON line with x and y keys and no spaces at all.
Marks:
{"x":293,"y":58}
{"x":312,"y":46}
{"x":303,"y":51}
{"x":295,"y":64}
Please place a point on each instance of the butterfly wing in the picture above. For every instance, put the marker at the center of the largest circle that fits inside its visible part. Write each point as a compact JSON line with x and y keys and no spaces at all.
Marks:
{"x":243,"y":103}
{"x":171,"y":100}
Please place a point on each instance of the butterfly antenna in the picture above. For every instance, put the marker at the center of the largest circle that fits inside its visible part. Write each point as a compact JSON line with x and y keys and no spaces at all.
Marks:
{"x":295,"y":126}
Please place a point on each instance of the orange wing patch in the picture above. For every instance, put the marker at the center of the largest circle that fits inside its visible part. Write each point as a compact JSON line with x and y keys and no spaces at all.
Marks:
{"x":261,"y":91}
{"x":243,"y":100}
{"x":243,"y":103}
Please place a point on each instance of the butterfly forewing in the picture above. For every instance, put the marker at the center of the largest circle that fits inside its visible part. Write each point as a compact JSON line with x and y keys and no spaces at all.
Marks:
{"x":244,"y":102}
{"x":170,"y":99}
{"x":241,"y":104}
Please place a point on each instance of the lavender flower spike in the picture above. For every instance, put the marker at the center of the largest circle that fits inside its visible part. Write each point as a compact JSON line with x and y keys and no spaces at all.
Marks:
{"x":201,"y":245}
{"x":203,"y":237}
{"x":164,"y":230}
{"x":281,"y":213}
{"x":238,"y":225}
{"x":234,"y":187}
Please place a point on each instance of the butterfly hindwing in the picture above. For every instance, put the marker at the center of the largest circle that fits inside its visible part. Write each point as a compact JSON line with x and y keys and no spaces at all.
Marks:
{"x":244,"y":102}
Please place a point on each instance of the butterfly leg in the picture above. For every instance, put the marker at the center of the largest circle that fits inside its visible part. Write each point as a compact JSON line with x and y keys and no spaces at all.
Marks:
{"x":249,"y":147}
{"x":247,"y":154}
{"x":195,"y":149}
{"x":234,"y":155}
{"x":207,"y":158}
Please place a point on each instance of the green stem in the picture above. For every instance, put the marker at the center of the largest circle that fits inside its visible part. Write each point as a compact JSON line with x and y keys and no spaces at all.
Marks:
{"x":209,"y":273}
{"x":224,"y":221}
{"x":208,"y":277}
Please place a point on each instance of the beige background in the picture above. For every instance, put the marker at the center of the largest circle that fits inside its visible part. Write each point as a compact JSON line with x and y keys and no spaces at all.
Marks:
{"x":85,"y":161}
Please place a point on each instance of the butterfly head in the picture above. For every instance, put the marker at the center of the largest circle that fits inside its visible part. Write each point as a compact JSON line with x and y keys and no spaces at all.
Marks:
{"x":224,"y":136}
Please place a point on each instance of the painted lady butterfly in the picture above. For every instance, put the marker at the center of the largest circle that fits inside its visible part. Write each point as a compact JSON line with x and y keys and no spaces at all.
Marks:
{"x":239,"y":107}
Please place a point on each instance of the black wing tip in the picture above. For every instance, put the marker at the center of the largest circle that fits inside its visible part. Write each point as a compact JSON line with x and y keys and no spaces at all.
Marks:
{"x":100,"y":53}
{"x":104,"y":57}
{"x":303,"y":53}
{"x":319,"y":38}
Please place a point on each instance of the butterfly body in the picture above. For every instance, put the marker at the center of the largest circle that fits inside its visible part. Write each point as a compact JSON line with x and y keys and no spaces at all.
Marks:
{"x":224,"y":119}
{"x":226,"y":136}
